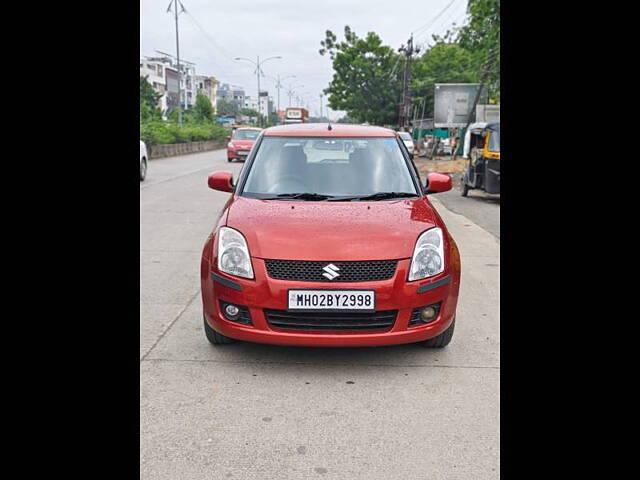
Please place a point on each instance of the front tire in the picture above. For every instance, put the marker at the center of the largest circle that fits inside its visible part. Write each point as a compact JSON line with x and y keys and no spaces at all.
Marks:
{"x":229,"y":159}
{"x":441,"y":340}
{"x":214,"y":337}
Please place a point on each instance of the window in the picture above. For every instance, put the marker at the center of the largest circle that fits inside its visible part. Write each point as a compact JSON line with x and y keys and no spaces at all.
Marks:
{"x":494,"y":141}
{"x":328,"y":166}
{"x":245,"y":134}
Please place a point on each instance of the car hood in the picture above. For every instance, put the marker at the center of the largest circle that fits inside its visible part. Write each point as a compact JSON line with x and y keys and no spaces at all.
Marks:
{"x":340,"y":231}
{"x":243,"y":143}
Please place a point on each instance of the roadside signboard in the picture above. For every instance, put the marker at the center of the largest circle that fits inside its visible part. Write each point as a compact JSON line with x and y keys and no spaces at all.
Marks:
{"x":453,"y":103}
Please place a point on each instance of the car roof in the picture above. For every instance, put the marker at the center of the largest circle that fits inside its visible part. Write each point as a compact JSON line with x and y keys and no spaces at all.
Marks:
{"x":248,"y":128}
{"x":321,"y":130}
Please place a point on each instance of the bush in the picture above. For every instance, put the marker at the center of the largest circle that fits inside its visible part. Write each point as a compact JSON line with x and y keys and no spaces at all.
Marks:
{"x":160,"y":133}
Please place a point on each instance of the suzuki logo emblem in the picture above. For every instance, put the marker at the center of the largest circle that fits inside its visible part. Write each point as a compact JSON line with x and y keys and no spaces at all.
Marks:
{"x":331,"y":271}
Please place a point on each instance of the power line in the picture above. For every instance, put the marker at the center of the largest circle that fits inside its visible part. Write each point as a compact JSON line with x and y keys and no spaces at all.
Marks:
{"x":424,"y":35}
{"x":208,"y":37}
{"x":435,"y":18}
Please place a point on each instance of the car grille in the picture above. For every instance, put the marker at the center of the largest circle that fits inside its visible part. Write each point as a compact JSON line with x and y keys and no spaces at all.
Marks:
{"x":312,"y":271}
{"x":342,"y":321}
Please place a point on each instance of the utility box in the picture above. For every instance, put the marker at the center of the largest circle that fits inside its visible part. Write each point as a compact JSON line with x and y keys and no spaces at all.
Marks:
{"x":488,"y":113}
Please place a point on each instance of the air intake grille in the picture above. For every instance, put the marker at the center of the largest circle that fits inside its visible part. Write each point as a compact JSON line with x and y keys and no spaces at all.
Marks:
{"x":312,"y":271}
{"x":337,"y":321}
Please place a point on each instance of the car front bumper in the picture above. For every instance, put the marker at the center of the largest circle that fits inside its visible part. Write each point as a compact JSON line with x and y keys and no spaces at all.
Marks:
{"x":267,"y":293}
{"x":239,"y":153}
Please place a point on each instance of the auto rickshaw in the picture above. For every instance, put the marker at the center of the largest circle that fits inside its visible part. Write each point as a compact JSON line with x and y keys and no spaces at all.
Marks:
{"x":482,"y":149}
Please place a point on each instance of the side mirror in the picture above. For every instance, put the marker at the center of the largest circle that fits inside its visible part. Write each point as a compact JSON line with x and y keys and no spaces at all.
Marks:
{"x":228,"y":138}
{"x":437,"y":182}
{"x":222,"y":181}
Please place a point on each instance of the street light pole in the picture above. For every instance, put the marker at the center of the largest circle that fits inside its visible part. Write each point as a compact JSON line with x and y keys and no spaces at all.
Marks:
{"x":291,"y":92}
{"x":258,"y":63}
{"x":279,"y":86}
{"x":321,"y":106}
{"x":258,"y":97}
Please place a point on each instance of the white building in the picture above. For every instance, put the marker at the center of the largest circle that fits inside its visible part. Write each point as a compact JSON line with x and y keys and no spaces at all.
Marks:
{"x":266,"y":104}
{"x":209,"y":87}
{"x":154,"y":70}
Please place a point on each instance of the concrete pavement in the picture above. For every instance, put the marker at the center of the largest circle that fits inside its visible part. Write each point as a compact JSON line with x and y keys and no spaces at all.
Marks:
{"x":255,"y":411}
{"x":479,"y":207}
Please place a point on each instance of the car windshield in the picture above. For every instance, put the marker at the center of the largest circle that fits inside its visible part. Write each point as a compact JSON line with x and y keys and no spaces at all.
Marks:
{"x":245,"y":134}
{"x":329,"y":167}
{"x":494,"y":141}
{"x":405,"y":136}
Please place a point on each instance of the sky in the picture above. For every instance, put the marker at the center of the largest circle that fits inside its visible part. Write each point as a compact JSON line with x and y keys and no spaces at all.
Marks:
{"x":214,"y":32}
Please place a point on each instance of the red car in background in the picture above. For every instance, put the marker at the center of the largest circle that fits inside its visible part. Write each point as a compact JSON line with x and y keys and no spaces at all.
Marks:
{"x":240,"y":143}
{"x":329,"y":239}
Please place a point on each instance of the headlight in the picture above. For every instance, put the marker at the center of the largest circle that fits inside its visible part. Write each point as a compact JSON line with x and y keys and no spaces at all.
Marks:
{"x":428,"y":256}
{"x":233,"y":253}
{"x":230,"y":145}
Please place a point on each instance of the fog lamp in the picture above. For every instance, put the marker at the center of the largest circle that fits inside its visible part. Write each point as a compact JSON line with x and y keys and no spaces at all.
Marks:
{"x":428,"y":313}
{"x":231,"y":311}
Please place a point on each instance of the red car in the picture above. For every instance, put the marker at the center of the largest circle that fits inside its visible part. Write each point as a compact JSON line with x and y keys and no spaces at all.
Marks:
{"x":240,"y":143}
{"x":329,"y":239}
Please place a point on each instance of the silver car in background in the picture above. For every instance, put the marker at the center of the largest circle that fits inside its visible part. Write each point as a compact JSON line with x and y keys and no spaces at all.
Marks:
{"x":407,"y":139}
{"x":143,"y":161}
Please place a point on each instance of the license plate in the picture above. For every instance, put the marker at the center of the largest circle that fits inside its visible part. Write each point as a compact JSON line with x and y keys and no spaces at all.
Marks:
{"x":242,"y":152}
{"x":361,"y":300}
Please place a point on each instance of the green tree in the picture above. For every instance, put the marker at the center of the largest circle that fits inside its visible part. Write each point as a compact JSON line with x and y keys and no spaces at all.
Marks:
{"x":249,"y":112}
{"x":148,"y":101}
{"x":481,"y":36}
{"x":227,"y":108}
{"x":347,"y":119}
{"x":444,"y":62}
{"x":365,"y":82}
{"x":203,"y":109}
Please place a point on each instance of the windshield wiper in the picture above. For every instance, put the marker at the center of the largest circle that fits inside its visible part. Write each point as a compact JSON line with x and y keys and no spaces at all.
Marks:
{"x":298,"y":196}
{"x":377,"y":196}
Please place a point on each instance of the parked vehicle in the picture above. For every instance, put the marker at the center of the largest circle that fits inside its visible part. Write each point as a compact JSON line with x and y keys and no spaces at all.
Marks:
{"x":407,"y":139}
{"x":240,"y":143}
{"x":482,"y":149}
{"x":329,"y":239}
{"x":143,"y":161}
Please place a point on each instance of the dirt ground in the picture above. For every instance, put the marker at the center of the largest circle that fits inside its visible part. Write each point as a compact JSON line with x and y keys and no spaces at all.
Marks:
{"x":443,"y":164}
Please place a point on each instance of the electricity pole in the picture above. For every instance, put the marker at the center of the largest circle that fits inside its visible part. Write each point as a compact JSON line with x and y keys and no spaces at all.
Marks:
{"x":405,"y":103}
{"x":175,"y":5}
{"x":483,"y":78}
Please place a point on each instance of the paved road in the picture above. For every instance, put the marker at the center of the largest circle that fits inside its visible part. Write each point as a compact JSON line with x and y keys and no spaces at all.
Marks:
{"x":478,"y":206}
{"x":249,"y":411}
